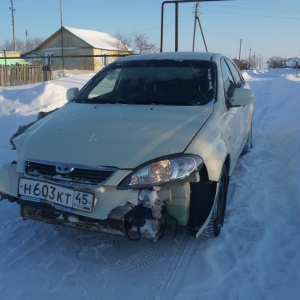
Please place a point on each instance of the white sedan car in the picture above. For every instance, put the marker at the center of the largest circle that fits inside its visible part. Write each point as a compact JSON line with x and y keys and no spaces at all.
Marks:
{"x":149,"y":141}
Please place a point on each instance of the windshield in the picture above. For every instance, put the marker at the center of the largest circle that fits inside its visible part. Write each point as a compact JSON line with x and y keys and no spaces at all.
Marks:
{"x":166,"y":82}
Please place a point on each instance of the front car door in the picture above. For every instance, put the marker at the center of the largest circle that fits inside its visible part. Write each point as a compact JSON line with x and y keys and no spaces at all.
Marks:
{"x":246,"y":114}
{"x":235,"y":114}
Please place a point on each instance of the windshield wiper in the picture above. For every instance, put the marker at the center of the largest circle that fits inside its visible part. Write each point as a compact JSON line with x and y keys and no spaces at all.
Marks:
{"x":160,"y":102}
{"x":98,"y":100}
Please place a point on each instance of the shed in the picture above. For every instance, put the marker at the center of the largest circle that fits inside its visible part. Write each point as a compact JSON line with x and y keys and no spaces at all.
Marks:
{"x":11,"y":58}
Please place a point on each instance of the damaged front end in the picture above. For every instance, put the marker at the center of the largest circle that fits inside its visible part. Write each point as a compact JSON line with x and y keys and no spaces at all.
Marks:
{"x":148,"y":218}
{"x":135,"y":203}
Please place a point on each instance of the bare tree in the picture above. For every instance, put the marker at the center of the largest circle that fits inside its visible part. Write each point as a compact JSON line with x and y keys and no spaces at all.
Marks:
{"x":141,"y":43}
{"x":242,"y":64}
{"x":124,"y":42}
{"x":7,"y":45}
{"x":138,"y":42}
{"x":32,"y":43}
{"x":275,"y":62}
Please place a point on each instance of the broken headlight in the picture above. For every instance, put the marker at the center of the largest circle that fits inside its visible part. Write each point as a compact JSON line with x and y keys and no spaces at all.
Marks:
{"x":162,"y":171}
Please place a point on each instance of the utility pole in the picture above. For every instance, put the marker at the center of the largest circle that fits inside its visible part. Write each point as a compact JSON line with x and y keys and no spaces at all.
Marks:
{"x":250,"y":58}
{"x":62,"y":39}
{"x":240,"y":53}
{"x":13,"y":22}
{"x":5,"y":63}
{"x":26,"y":34}
{"x":197,"y":18}
{"x":194,"y":36}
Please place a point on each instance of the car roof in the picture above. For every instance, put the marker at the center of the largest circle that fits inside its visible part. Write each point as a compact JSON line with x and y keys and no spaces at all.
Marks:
{"x":173,"y":56}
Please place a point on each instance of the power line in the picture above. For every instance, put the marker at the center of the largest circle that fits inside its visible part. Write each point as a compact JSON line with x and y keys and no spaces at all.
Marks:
{"x":86,"y":5}
{"x":255,"y":15}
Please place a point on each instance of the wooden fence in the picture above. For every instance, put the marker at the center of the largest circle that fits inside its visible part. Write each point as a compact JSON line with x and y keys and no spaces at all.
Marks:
{"x":19,"y":75}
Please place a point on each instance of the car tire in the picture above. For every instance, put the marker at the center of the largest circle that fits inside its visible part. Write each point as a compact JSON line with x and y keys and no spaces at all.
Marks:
{"x":215,"y":224}
{"x":248,"y":144}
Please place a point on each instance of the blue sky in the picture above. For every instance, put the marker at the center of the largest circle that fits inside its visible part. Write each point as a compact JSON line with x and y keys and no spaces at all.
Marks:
{"x":268,"y":27}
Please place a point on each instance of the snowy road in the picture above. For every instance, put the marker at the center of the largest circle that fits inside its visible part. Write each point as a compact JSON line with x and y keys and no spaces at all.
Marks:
{"x":42,"y":260}
{"x":256,"y":257}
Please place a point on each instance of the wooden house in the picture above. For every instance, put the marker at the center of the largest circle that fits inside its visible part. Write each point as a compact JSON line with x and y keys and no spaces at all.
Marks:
{"x":292,"y":62}
{"x":71,"y":48}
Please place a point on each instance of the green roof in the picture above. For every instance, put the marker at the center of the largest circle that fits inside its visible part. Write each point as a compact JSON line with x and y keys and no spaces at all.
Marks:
{"x":12,"y":62}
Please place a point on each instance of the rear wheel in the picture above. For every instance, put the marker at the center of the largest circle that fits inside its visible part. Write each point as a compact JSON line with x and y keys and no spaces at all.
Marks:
{"x":215,"y":224}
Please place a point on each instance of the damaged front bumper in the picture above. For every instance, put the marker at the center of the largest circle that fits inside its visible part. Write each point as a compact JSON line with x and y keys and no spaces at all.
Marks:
{"x":133,"y":213}
{"x":123,"y":220}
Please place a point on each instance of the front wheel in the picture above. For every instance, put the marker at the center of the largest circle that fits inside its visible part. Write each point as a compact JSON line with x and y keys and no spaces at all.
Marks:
{"x":215,"y":224}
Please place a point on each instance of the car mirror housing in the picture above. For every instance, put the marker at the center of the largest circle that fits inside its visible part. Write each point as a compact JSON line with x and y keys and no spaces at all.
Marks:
{"x":71,"y":93}
{"x":242,"y":97}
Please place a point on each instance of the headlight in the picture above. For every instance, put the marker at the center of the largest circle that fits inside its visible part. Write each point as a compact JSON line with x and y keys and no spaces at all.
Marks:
{"x":163,"y":171}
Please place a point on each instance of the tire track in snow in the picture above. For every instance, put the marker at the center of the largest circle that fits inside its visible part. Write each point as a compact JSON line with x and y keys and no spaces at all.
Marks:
{"x":106,"y":260}
{"x":177,"y":270}
{"x":170,"y":258}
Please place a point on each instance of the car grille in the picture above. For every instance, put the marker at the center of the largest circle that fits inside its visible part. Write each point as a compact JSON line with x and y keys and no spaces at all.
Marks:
{"x":79,"y":176}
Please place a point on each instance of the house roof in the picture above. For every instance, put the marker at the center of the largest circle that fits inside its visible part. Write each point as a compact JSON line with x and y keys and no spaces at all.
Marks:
{"x":12,"y":61}
{"x":292,"y":62}
{"x":96,"y":39}
{"x":8,"y":53}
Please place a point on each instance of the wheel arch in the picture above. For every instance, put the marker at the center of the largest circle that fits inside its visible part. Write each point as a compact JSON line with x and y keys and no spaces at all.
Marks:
{"x":201,"y":199}
{"x":214,"y":167}
{"x":203,"y":195}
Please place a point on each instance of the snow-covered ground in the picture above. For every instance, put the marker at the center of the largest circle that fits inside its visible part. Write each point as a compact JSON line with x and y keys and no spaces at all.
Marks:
{"x":256,"y":257}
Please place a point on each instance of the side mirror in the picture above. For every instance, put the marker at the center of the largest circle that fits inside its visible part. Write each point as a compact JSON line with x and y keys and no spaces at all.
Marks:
{"x":71,"y":93}
{"x":242,"y":97}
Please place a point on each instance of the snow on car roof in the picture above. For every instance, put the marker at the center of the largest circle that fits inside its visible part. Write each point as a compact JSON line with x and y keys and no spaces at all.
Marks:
{"x":171,"y":55}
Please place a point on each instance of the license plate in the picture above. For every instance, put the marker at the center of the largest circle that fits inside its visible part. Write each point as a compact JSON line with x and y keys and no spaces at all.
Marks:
{"x":39,"y":191}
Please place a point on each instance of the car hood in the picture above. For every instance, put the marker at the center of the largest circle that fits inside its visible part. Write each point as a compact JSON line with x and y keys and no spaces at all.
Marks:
{"x":122,"y":136}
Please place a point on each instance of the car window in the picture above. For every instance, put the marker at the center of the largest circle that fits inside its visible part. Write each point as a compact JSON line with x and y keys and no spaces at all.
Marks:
{"x":228,"y":80}
{"x":167,"y":82}
{"x":106,"y":85}
{"x":235,"y":73}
